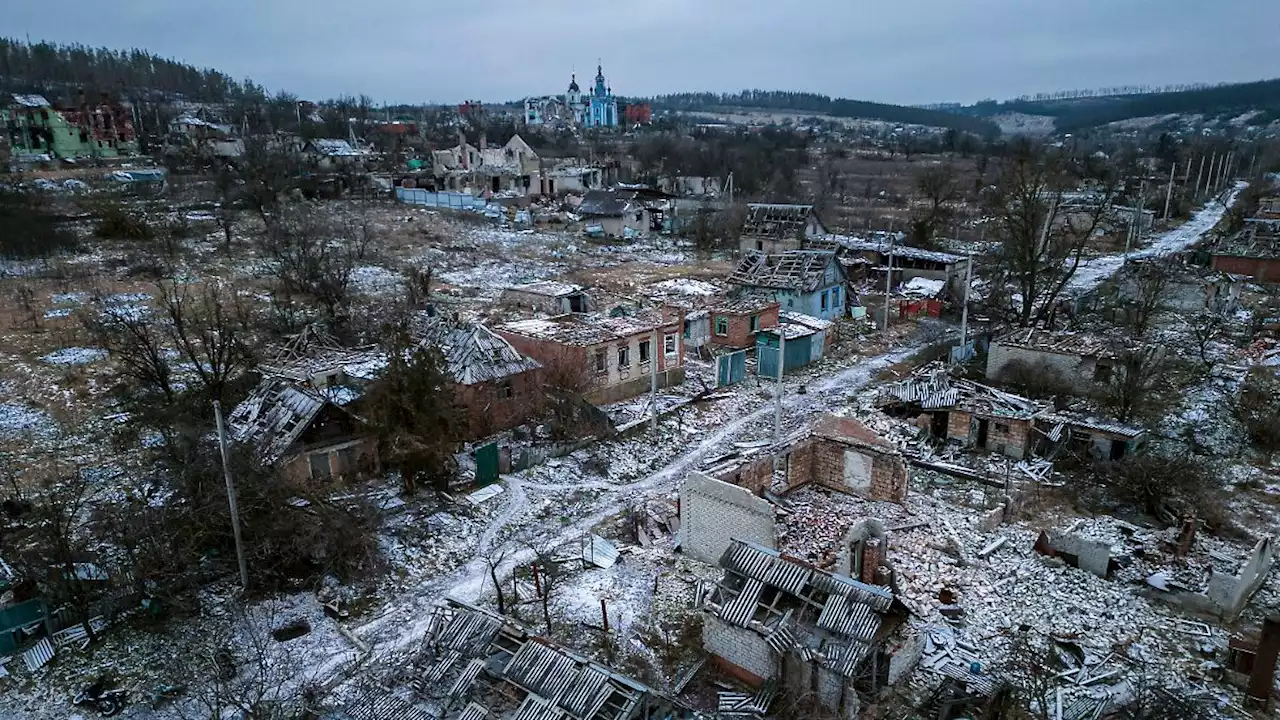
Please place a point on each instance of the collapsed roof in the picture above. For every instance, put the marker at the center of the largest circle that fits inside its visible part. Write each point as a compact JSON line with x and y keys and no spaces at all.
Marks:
{"x":472,"y":353}
{"x":274,"y":416}
{"x":802,"y":270}
{"x":777,"y":221}
{"x":476,"y":664}
{"x":585,"y":330}
{"x":937,"y":390}
{"x":818,"y":616}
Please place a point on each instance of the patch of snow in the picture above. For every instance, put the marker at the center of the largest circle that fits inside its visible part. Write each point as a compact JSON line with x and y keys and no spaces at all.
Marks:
{"x":75,"y":356}
{"x":19,"y":420}
{"x":376,"y":280}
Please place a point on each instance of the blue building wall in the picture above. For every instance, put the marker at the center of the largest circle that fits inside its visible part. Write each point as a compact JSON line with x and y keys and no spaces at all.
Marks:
{"x":799,"y":352}
{"x":826,"y":302}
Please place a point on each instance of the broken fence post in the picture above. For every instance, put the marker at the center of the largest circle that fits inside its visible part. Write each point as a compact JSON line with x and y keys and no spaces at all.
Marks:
{"x":604,"y":615}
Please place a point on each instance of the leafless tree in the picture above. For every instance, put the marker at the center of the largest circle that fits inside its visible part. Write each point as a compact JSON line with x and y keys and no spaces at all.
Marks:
{"x":940,"y":187}
{"x":24,"y":297}
{"x":1042,"y":243}
{"x":315,"y":254}
{"x":1258,"y":408}
{"x":1147,"y":286}
{"x":1130,"y":390}
{"x":209,"y":328}
{"x":134,"y":340}
{"x":1205,"y":328}
{"x":418,"y":286}
{"x":1028,"y":669}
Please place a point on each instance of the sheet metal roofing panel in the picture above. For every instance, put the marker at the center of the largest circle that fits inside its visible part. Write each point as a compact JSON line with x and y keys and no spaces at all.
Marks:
{"x":588,"y":693}
{"x":383,"y":705}
{"x":444,"y":662}
{"x":739,"y":610}
{"x":468,"y":632}
{"x":877,"y":597}
{"x":788,"y":577}
{"x":748,"y":559}
{"x":462,"y":684}
{"x":474,"y":711}
{"x":849,"y":618}
{"x":845,"y":658}
{"x":273,"y":416}
{"x":542,"y":669}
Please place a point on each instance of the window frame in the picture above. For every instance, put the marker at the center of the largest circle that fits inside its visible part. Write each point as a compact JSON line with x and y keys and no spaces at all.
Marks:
{"x":715,"y":328}
{"x":624,"y":356}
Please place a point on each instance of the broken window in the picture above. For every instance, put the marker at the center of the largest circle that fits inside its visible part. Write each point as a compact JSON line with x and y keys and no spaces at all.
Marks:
{"x":505,"y":390}
{"x":755,"y":323}
{"x":824,"y":300}
{"x":1002,"y":428}
{"x":602,"y":362}
{"x":722,"y":326}
{"x":624,"y":356}
{"x":644,"y":351}
{"x":835,"y":297}
{"x":320,"y":466}
{"x":669,"y":344}
{"x":347,"y":460}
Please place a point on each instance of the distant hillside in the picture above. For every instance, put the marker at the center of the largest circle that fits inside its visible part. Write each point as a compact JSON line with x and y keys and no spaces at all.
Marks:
{"x":815,"y":103}
{"x":1076,"y":113}
{"x":45,"y":67}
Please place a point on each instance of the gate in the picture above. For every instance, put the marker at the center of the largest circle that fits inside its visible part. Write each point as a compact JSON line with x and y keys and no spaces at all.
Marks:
{"x":486,"y":464}
{"x":731,"y":368}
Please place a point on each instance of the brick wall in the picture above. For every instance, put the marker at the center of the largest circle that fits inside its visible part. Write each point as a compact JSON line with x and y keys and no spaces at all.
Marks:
{"x":1262,"y":269}
{"x":755,"y":476}
{"x":822,"y":461}
{"x":1069,"y":368}
{"x":488,"y":411}
{"x":958,"y":425}
{"x":744,"y":653}
{"x":740,"y":334}
{"x":713,"y":513}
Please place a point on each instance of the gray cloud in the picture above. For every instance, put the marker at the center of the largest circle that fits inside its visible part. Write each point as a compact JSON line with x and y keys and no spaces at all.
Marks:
{"x":907,"y":51}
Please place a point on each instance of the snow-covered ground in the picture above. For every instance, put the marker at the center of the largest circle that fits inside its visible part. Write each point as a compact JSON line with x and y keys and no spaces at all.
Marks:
{"x":1092,"y":272}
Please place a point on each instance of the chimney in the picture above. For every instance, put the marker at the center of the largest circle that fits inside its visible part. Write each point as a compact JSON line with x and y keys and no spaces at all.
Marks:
{"x":462,"y":147}
{"x":1262,"y":681}
{"x":1186,"y":536}
{"x":872,"y":558}
{"x":484,"y":142}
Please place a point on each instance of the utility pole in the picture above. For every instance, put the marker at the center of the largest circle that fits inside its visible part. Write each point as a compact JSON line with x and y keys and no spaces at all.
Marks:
{"x":1168,"y":195}
{"x":653,"y":381}
{"x":888,"y":288}
{"x":231,"y":497}
{"x":1199,"y":175}
{"x":964,"y":310}
{"x":1208,"y":182}
{"x":1253,"y":164}
{"x":777,"y":395}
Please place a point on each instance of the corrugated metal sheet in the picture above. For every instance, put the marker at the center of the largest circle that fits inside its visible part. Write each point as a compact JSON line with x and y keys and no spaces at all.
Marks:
{"x":850,"y":618}
{"x":542,"y":669}
{"x":877,"y":597}
{"x":587,"y":694}
{"x":274,"y":415}
{"x":473,"y":353}
{"x":845,"y":658}
{"x":600,"y":552}
{"x":441,"y":666}
{"x":384,"y":705}
{"x":801,"y":270}
{"x":462,"y":684}
{"x":739,"y":610}
{"x":473,"y":712}
{"x":39,"y":655}
{"x":468,"y":632}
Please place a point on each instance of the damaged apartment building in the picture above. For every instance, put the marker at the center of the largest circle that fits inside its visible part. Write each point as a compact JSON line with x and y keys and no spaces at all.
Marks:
{"x":38,"y":130}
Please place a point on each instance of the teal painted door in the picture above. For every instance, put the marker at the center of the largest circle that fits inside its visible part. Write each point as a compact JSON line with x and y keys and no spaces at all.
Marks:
{"x":486,"y":464}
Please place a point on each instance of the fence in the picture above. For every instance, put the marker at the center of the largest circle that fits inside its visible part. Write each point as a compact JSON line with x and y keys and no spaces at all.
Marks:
{"x":449,"y":200}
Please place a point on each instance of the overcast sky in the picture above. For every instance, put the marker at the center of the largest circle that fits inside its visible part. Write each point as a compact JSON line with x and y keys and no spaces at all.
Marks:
{"x":901,"y":51}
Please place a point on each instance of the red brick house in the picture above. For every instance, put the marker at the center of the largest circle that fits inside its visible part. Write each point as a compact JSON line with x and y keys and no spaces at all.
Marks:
{"x":611,"y":356}
{"x":498,"y":387}
{"x":735,"y":322}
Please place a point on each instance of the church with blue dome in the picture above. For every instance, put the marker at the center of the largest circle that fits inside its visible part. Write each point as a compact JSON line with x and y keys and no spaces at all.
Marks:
{"x":597,"y":108}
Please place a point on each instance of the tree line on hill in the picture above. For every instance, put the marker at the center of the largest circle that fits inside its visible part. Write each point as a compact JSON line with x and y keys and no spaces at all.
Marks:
{"x":816,"y":103}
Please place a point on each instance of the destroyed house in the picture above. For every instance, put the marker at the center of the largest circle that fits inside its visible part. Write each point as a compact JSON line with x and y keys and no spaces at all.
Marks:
{"x":613,"y":356}
{"x":806,"y":281}
{"x":735,"y":322}
{"x":1253,"y":252}
{"x":1089,"y":437}
{"x":776,"y":620}
{"x":1182,"y":287}
{"x":477,"y":665}
{"x":36,"y":129}
{"x":842,"y":454}
{"x":1075,"y":359}
{"x":975,"y":415}
{"x":497,"y":386}
{"x":552,"y":298}
{"x":304,"y":433}
{"x":870,"y":260}
{"x":332,"y":153}
{"x":628,"y":213}
{"x":772,"y":227}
